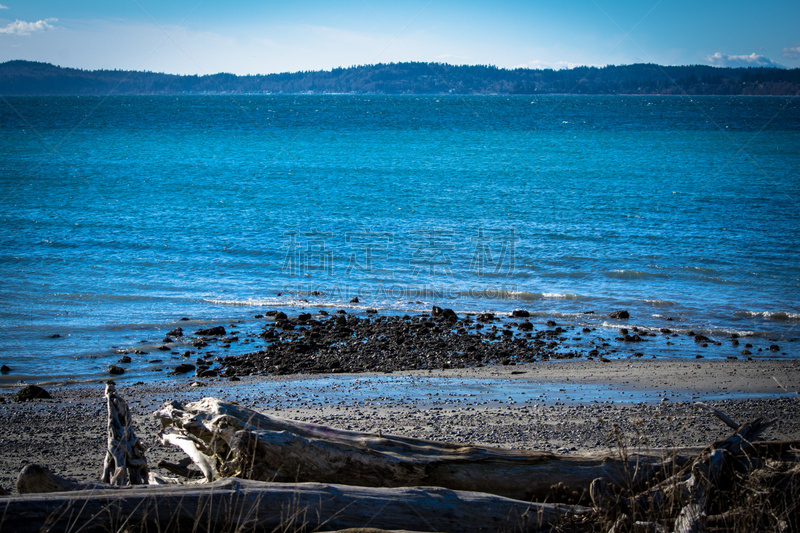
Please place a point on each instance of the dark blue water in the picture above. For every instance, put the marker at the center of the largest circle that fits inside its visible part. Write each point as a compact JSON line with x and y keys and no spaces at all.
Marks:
{"x":121,"y":215}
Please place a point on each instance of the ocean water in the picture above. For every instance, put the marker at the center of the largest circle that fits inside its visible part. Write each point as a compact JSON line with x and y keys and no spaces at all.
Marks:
{"x":122,"y":215}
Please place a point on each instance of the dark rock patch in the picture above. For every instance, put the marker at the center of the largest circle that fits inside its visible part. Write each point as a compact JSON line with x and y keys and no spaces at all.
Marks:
{"x":32,"y":392}
{"x":212,"y":332}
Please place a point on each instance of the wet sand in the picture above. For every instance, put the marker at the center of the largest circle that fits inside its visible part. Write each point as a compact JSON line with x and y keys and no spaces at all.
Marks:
{"x":565,"y":407}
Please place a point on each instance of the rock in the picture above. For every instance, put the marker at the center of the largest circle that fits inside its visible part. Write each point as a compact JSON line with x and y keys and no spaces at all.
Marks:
{"x":372,"y":311}
{"x":619,"y":314}
{"x":551,"y":323}
{"x":215,"y":331}
{"x":280,"y":315}
{"x":124,"y":359}
{"x":177,"y":332}
{"x":4,"y":492}
{"x":304,"y":316}
{"x":774,"y":348}
{"x":485,"y":317}
{"x":4,"y":369}
{"x":623,"y":331}
{"x":701,"y":338}
{"x":32,"y":392}
{"x":258,"y":316}
{"x":354,"y":300}
{"x":116,"y":370}
{"x":436,"y":311}
{"x":520,"y":313}
{"x":185,"y":319}
{"x":666,"y":331}
{"x":525,"y":326}
{"x":54,"y":336}
{"x":183,"y":368}
{"x":323,"y":313}
{"x":449,"y":315}
{"x":270,"y":313}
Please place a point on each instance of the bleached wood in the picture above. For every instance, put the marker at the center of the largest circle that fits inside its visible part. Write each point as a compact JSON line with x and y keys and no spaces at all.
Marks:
{"x":719,"y":414}
{"x":229,"y":504}
{"x":240,"y":442}
{"x":125,"y":462}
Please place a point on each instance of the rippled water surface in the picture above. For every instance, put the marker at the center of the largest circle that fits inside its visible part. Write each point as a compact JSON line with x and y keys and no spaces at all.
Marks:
{"x":121,"y":215}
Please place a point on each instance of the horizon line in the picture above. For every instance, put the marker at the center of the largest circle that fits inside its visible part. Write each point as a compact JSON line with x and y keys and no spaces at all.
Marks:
{"x":331,"y":70}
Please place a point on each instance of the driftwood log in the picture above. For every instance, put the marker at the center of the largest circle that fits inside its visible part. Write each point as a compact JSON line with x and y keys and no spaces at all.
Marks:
{"x":243,"y":505}
{"x":227,"y":440}
{"x":125,"y":462}
{"x":684,"y":499}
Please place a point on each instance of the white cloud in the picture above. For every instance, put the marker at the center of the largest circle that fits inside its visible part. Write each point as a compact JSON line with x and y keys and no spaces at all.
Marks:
{"x":20,"y":27}
{"x":792,"y":53}
{"x":753,"y":60}
{"x":538,"y":64}
{"x":3,"y":7}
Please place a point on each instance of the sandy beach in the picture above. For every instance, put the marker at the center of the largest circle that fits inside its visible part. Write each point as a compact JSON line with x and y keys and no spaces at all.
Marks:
{"x":565,"y":407}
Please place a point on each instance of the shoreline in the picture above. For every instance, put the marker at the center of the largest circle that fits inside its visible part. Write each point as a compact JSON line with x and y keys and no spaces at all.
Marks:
{"x":315,"y":342}
{"x":67,"y":433}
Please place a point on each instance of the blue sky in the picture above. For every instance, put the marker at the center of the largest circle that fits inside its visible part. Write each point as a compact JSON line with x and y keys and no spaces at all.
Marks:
{"x":258,"y":37}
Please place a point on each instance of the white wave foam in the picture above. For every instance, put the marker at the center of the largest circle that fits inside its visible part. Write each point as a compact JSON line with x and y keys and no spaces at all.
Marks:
{"x":634,"y":274}
{"x":778,"y":316}
{"x":658,"y":303}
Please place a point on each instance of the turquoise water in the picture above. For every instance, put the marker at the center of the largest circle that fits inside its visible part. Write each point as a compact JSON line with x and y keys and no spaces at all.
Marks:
{"x":121,"y":215}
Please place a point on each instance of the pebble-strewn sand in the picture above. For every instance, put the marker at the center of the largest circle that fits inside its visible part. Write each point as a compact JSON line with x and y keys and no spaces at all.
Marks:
{"x":651,"y":401}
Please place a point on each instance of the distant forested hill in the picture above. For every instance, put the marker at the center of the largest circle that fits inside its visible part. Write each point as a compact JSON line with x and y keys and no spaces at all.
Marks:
{"x":32,"y":78}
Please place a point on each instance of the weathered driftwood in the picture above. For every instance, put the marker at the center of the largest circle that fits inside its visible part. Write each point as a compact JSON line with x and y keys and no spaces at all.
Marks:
{"x":689,"y":489}
{"x":125,"y":462}
{"x":227,"y":440}
{"x":243,"y":505}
